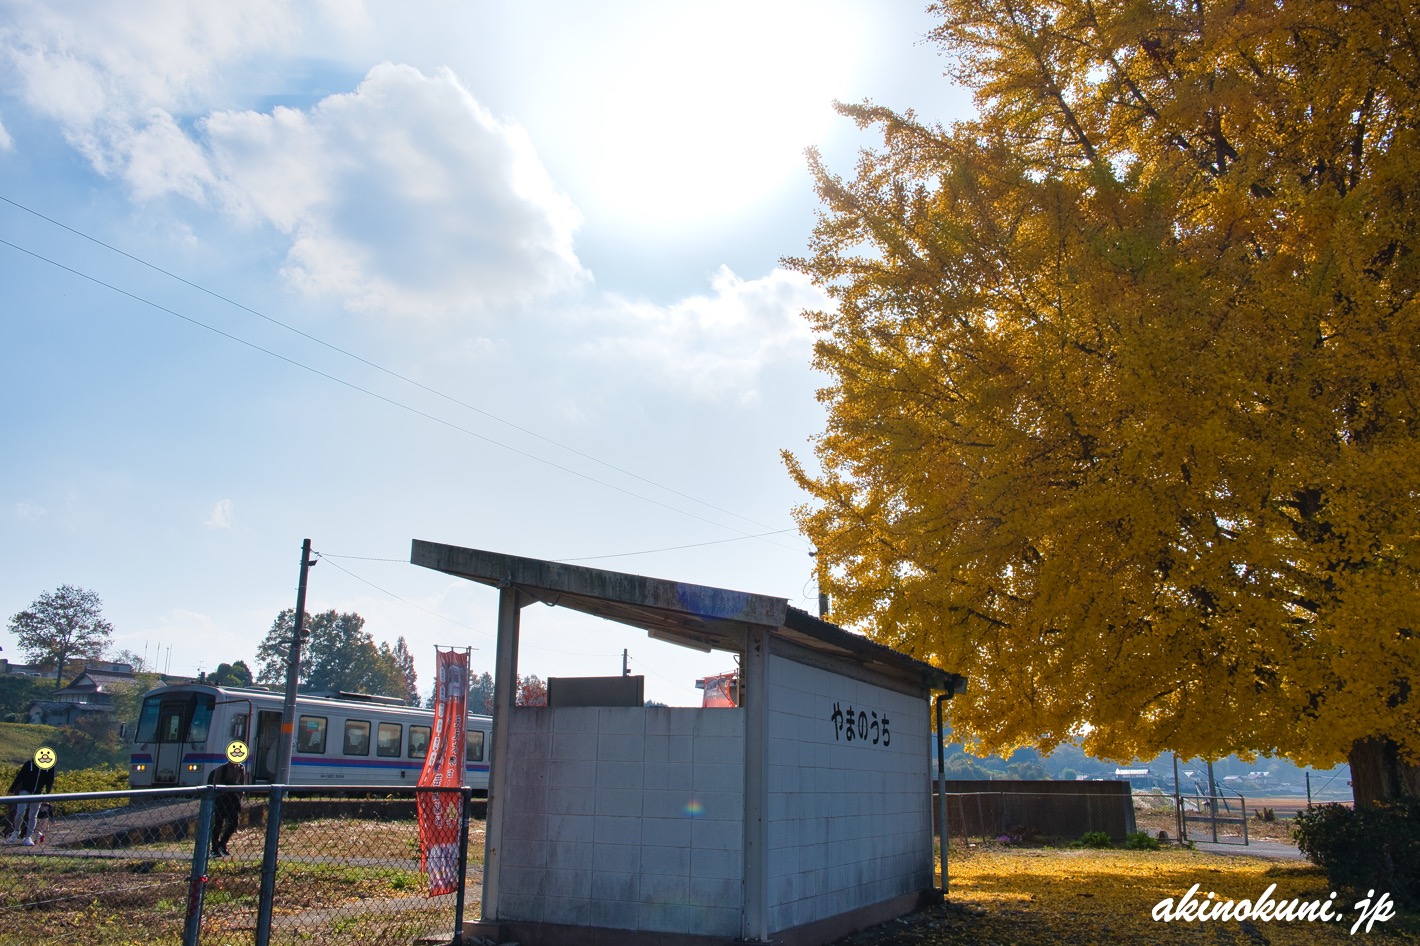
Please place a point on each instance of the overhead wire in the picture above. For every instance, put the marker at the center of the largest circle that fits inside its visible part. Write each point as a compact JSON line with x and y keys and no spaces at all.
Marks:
{"x":365,"y":361}
{"x":326,"y":557}
{"x":379,"y":397}
{"x":671,"y":548}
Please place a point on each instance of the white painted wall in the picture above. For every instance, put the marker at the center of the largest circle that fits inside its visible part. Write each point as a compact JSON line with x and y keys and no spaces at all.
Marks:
{"x":849,"y":821}
{"x":626,"y":818}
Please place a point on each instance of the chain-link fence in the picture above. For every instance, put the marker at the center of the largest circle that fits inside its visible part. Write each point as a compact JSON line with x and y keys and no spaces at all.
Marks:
{"x":213,"y":866}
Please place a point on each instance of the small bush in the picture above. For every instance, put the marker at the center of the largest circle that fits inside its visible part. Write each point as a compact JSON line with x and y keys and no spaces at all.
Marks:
{"x":1371,"y":847}
{"x":1095,"y":839}
{"x":1141,"y":841}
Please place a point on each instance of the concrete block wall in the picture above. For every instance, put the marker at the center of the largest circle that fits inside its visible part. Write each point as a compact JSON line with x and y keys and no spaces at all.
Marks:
{"x":849,"y":820}
{"x":626,"y":818}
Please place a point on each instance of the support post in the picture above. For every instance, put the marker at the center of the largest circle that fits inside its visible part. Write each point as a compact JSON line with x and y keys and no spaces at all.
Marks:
{"x":464,"y":813}
{"x":267,"y":892}
{"x":1213,"y":802}
{"x":197,"y":881}
{"x":942,"y":833}
{"x":505,"y":693}
{"x":293,"y":669}
{"x":1178,"y":814}
{"x":754,"y":698}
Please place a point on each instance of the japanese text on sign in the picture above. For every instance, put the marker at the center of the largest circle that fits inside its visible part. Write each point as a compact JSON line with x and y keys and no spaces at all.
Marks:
{"x":861,"y":725}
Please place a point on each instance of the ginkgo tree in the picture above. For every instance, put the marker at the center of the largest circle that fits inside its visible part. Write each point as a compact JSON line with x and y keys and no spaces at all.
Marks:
{"x":1123,"y":411}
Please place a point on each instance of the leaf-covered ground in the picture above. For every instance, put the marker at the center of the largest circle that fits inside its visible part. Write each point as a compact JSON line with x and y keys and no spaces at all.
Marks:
{"x":1056,"y":896}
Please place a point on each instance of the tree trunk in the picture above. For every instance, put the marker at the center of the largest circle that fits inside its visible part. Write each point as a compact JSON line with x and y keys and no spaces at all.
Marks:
{"x":1378,"y":774}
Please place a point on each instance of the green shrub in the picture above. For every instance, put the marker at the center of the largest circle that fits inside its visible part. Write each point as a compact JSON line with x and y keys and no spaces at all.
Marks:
{"x":1141,"y":841}
{"x":1374,"y":847}
{"x":1095,"y":839}
{"x":99,"y":778}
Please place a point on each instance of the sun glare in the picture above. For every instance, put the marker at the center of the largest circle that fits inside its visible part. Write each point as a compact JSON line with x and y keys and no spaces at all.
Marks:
{"x":712,"y":109}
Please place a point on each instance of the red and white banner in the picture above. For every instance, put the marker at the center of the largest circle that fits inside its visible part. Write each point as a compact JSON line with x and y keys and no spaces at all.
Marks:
{"x":444,"y":766}
{"x":718,"y":690}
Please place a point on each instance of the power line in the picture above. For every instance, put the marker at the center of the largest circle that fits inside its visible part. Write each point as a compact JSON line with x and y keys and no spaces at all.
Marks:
{"x":672,"y":548}
{"x":365,"y":361}
{"x":379,"y":397}
{"x":327,"y":559}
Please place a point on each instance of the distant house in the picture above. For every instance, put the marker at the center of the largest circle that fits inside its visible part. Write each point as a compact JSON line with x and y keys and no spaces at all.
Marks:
{"x":89,"y":695}
{"x":8,"y":669}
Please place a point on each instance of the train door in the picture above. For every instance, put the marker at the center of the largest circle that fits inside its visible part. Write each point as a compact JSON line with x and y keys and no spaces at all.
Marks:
{"x":268,"y":743}
{"x":167,"y":754}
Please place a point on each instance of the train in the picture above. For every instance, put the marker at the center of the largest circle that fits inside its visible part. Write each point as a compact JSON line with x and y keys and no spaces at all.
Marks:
{"x":184,"y":730}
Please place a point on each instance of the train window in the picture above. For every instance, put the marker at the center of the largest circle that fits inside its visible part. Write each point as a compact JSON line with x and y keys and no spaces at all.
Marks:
{"x":170,"y":725}
{"x":357,"y":737}
{"x":311,"y":736}
{"x":148,"y":721}
{"x":387,"y":739}
{"x":418,"y":742}
{"x":201,"y":719}
{"x":475,"y":744}
{"x":239,"y":726}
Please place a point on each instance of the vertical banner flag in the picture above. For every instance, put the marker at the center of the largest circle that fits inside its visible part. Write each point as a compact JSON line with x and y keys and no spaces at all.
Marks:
{"x":444,"y":766}
{"x":717,"y":690}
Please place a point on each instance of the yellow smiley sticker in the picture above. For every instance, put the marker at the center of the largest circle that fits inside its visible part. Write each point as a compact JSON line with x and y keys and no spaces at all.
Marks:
{"x":237,"y":752}
{"x":45,"y":757}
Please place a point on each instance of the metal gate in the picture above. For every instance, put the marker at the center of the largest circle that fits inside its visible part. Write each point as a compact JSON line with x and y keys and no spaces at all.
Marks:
{"x":1217,"y":819}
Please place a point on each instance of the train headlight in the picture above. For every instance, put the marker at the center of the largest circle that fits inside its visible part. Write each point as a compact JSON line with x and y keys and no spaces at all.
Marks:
{"x":140,"y":767}
{"x":194,"y":767}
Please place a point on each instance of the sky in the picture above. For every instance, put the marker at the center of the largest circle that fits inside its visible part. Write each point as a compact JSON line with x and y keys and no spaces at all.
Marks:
{"x":502,"y":276}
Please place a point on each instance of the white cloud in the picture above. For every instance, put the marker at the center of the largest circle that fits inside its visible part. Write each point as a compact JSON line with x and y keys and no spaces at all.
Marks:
{"x":715,"y":346}
{"x":405,"y":197}
{"x":30,"y":512}
{"x":6,"y":142}
{"x":221,"y":517}
{"x":107,"y":71}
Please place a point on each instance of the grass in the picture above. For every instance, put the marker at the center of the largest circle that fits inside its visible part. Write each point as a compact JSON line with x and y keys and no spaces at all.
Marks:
{"x":340,"y":881}
{"x":18,"y":741}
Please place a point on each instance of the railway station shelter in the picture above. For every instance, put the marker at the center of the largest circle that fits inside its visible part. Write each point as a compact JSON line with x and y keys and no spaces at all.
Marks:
{"x":799,"y":816}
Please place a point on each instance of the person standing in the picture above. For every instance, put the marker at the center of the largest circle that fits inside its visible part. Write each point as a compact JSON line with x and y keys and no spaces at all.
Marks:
{"x":227,"y":806}
{"x":33,"y":781}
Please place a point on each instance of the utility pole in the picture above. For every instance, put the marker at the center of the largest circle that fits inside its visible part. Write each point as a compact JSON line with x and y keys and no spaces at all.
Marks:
{"x":822,"y":595}
{"x":293,"y":668}
{"x":625,"y":662}
{"x":1213,"y":801}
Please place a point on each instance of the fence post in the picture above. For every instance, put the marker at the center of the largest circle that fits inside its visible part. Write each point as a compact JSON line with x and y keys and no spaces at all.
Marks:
{"x":464,"y":815}
{"x":197,"y":882}
{"x":1242,"y":804}
{"x":268,"y":865}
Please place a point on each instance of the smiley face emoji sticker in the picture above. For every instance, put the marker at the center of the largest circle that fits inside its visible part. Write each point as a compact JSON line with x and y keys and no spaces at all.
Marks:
{"x":237,"y":752}
{"x":45,"y":757}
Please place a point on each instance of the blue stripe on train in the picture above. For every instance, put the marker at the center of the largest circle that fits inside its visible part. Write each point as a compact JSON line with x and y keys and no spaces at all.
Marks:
{"x":375,"y":764}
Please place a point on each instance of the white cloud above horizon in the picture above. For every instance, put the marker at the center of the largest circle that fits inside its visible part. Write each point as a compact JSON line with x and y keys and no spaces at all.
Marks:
{"x":404,"y":197}
{"x":30,"y":512}
{"x":716,"y":346}
{"x":221,"y":517}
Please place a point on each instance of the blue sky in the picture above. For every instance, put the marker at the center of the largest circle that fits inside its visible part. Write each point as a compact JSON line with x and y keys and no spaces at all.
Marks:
{"x":549,"y":232}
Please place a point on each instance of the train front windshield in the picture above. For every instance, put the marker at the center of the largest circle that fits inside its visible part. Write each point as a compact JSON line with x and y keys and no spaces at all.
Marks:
{"x":167,"y":722}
